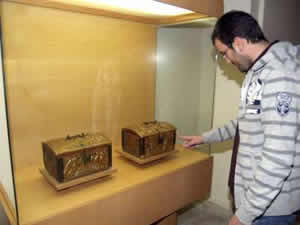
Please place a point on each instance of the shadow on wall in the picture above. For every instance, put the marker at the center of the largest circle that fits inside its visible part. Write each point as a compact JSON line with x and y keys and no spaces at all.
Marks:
{"x":229,"y":70}
{"x":232,"y":74}
{"x":222,"y":147}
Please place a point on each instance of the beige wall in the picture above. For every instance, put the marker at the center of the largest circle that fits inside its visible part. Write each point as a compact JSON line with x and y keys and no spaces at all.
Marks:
{"x":227,"y":93}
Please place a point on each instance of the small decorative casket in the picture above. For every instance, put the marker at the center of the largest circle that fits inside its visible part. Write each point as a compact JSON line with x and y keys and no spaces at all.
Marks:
{"x":75,"y":156}
{"x":148,"y":139}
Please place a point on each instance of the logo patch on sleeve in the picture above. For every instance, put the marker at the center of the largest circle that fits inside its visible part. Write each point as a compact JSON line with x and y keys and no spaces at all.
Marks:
{"x":283,"y":103}
{"x":255,"y":92}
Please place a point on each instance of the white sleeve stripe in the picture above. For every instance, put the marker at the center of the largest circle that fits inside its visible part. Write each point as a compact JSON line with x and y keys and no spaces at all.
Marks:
{"x":277,"y":161}
{"x":275,"y":175}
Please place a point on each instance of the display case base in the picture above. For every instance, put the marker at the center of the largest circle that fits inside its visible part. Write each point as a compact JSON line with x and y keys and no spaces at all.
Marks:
{"x":61,"y":186}
{"x":146,"y":160}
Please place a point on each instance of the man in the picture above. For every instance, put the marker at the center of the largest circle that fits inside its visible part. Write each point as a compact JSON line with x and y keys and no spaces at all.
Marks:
{"x":267,"y":172}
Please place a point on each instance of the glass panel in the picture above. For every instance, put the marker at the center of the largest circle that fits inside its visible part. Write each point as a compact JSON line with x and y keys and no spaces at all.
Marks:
{"x":7,"y":190}
{"x":186,"y":70}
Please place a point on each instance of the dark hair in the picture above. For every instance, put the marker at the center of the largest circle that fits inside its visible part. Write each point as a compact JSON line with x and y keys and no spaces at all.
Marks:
{"x":237,"y":24}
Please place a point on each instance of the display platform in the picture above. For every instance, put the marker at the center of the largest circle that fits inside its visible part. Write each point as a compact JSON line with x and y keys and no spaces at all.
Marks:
{"x":61,"y":186}
{"x":133,"y":195}
{"x":146,"y":160}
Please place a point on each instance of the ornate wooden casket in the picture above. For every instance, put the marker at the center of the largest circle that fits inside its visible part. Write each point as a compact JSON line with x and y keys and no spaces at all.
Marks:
{"x":148,"y":139}
{"x":75,"y":156}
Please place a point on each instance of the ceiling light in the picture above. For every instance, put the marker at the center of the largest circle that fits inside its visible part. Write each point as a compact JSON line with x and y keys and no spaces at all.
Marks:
{"x":143,"y":6}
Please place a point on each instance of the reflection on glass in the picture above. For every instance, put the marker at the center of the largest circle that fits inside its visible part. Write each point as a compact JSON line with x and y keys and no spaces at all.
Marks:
{"x":186,"y":77}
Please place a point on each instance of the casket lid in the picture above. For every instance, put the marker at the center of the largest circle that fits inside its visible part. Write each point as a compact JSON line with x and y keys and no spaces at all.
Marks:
{"x":151,"y":128}
{"x":77,"y":142}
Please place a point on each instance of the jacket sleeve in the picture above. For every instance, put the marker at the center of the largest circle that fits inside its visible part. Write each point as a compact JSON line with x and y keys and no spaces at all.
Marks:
{"x":221,"y":134}
{"x":279,"y":123}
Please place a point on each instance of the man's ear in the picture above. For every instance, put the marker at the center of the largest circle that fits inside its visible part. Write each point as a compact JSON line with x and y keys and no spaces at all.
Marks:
{"x":239,"y":44}
{"x":236,"y":48}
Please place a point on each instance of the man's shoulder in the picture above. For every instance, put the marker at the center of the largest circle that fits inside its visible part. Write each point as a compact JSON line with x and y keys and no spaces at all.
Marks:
{"x":282,"y":52}
{"x":284,"y":57}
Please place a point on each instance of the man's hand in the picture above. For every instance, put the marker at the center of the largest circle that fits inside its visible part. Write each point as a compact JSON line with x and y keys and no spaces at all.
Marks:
{"x":234,"y":221}
{"x":191,"y":141}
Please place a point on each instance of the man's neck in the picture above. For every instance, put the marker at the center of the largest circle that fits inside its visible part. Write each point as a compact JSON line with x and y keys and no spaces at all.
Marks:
{"x":257,"y":49}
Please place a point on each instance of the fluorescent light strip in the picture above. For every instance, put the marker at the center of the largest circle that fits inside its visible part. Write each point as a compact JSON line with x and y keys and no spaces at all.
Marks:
{"x":144,"y":6}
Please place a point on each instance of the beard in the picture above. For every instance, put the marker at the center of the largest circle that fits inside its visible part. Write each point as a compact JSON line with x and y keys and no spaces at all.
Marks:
{"x":242,"y":68}
{"x":243,"y":63}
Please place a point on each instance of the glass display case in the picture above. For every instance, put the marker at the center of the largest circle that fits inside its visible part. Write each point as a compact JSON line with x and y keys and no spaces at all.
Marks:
{"x":66,"y":73}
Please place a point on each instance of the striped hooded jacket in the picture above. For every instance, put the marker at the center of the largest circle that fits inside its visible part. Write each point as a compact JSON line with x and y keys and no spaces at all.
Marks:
{"x":267,"y":175}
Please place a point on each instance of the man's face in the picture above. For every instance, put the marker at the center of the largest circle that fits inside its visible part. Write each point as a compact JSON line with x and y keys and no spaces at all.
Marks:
{"x":241,"y":61}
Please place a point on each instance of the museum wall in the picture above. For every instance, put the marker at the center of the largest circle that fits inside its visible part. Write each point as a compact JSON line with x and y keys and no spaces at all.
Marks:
{"x":68,"y":73}
{"x":285,"y":16}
